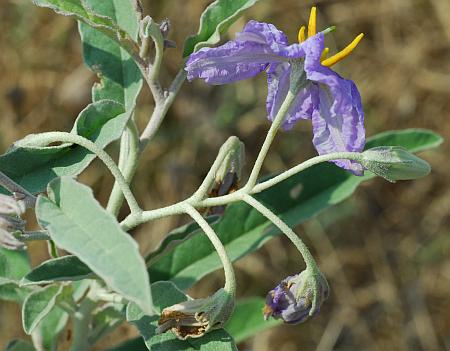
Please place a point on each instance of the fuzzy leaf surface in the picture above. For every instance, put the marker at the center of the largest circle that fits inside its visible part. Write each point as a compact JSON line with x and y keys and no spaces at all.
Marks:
{"x":215,"y":21}
{"x":38,"y":304}
{"x":83,"y":11}
{"x":66,"y":268}
{"x":13,"y":266}
{"x":77,"y":223}
{"x":120,"y":78}
{"x":33,"y":165}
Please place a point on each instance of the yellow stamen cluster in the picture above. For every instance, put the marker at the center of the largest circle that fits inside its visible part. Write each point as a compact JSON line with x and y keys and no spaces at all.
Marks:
{"x":330,"y":61}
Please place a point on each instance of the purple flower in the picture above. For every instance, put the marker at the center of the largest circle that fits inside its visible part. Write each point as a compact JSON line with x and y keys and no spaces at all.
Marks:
{"x":330,"y":101}
{"x":297,"y":297}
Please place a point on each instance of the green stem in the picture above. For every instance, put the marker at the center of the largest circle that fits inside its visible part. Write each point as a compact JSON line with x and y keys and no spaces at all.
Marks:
{"x":32,"y":236}
{"x":136,"y":219}
{"x":160,"y":110}
{"x":297,"y":82}
{"x":150,"y":71}
{"x":128,"y":161}
{"x":13,"y":187}
{"x":355,"y":156}
{"x":152,"y":30}
{"x":81,"y":325}
{"x":230,"y":279}
{"x":54,"y":137}
{"x":133,"y":220}
{"x":284,"y":228}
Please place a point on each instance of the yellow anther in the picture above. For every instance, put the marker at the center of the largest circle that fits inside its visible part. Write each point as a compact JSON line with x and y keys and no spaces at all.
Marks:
{"x":343,"y":53}
{"x":324,"y":54}
{"x":312,"y":22}
{"x":301,"y":34}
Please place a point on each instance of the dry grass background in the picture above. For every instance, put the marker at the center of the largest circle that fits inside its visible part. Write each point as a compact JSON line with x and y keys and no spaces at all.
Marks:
{"x":385,"y":251}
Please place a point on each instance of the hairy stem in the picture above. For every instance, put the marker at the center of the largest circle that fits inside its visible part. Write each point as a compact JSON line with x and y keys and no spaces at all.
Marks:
{"x":128,"y":162}
{"x":54,"y":137}
{"x":134,"y":220}
{"x":230,"y":279}
{"x":284,"y":228}
{"x":81,"y":325}
{"x":355,"y":156}
{"x":32,"y":236}
{"x":13,"y":188}
{"x":160,"y":111}
{"x":297,"y":82}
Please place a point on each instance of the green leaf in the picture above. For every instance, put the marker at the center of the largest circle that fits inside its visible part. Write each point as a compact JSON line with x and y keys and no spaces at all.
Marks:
{"x":66,"y":268}
{"x":53,"y":324}
{"x":121,"y":79}
{"x":77,"y":223}
{"x":166,"y":294}
{"x":82,"y":11}
{"x":19,"y":345}
{"x":243,"y":230}
{"x":175,"y":238}
{"x":136,"y":344}
{"x":38,"y":304}
{"x":414,"y":139}
{"x":13,"y":266}
{"x":106,"y":319}
{"x":215,"y":21}
{"x":50,"y":328}
{"x":33,"y":165}
{"x":78,"y":9}
{"x":247,"y":319}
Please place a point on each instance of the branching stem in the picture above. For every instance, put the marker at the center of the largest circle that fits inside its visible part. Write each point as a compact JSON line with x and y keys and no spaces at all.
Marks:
{"x":161,"y":108}
{"x":136,"y":219}
{"x":297,"y":81}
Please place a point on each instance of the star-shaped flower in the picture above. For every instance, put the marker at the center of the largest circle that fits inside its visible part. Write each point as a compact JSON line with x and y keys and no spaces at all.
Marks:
{"x":330,"y":101}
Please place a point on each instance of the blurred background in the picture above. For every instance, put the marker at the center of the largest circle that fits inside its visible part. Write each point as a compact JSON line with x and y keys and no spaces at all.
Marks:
{"x":386,"y":251}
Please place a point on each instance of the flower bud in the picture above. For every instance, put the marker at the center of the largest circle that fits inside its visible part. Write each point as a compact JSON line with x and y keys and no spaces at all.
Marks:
{"x":297,"y":297}
{"x":394,"y":163}
{"x":230,"y":171}
{"x":194,"y":318}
